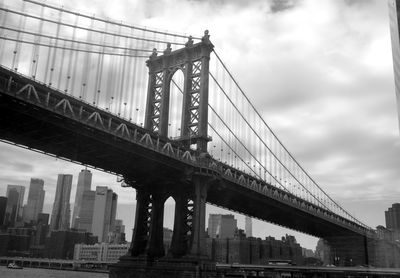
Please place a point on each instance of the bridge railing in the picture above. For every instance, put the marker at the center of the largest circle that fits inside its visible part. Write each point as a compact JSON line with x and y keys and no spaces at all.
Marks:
{"x":44,"y":96}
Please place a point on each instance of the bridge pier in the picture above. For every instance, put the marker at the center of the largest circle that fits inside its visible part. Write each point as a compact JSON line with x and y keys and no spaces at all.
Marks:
{"x":198,"y":248}
{"x":140,"y":234}
{"x":155,"y":244}
{"x":187,"y":256}
{"x":182,"y":225}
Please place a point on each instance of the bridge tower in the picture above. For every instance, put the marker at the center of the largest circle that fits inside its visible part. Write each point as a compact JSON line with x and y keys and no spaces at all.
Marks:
{"x":193,"y":60}
{"x":186,"y":256}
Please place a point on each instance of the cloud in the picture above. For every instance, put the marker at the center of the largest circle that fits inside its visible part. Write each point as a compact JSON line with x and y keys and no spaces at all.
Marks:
{"x":282,"y":5}
{"x":320,"y":73}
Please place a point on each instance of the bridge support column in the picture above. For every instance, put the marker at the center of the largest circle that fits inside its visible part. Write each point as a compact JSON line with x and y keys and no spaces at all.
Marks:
{"x":198,"y":244}
{"x":155,"y":244}
{"x":180,"y":240}
{"x":140,"y":235}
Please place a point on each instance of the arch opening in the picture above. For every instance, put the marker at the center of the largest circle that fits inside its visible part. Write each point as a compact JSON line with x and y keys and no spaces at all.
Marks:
{"x":169,"y":218}
{"x":175,"y":104}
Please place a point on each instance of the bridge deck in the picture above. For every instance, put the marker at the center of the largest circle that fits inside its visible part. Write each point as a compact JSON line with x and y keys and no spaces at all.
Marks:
{"x":40,"y":117}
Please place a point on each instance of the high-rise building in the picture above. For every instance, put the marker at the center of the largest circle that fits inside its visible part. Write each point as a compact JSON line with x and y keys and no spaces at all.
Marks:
{"x":221,"y":225}
{"x":392,"y":217}
{"x":15,"y":198}
{"x":394,"y":14}
{"x":84,"y":184}
{"x":104,"y":212}
{"x":83,"y":221}
{"x":3,"y":205}
{"x":34,"y":205}
{"x":117,"y":235}
{"x":61,"y":208}
{"x":248,"y":226}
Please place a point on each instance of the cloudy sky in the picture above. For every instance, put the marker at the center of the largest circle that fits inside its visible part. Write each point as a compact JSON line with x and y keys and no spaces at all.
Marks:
{"x":320,"y":73}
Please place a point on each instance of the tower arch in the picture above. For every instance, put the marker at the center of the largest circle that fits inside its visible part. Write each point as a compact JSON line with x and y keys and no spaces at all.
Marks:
{"x":193,"y":60}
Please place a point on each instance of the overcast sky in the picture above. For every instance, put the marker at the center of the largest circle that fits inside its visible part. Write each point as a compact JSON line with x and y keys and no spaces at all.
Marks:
{"x":320,"y":73}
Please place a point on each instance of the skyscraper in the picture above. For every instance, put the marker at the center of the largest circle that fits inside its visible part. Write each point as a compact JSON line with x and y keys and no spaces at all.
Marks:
{"x":34,"y":205}
{"x":83,"y":221}
{"x":104,"y":212}
{"x":84,"y":183}
{"x":392,"y":217}
{"x":221,"y":225}
{"x":15,"y":198}
{"x":61,"y":207}
{"x":248,"y":228}
{"x":394,"y":14}
{"x":3,"y":205}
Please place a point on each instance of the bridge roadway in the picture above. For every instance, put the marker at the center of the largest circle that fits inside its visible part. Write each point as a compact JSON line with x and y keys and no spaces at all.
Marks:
{"x":96,"y":266}
{"x":39,"y":117}
{"x":243,"y":270}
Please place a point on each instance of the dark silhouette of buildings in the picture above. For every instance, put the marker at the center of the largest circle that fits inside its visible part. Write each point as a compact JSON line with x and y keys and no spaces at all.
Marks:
{"x":254,"y":250}
{"x":60,"y":244}
{"x":3,"y":205}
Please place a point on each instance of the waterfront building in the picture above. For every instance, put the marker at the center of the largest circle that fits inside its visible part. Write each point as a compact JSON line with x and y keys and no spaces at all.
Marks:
{"x":221,"y":225}
{"x":248,"y":226}
{"x":60,"y":244}
{"x":16,"y":241}
{"x":104,"y":212}
{"x":34,"y":205}
{"x":60,"y":216}
{"x":3,"y":206}
{"x":392,"y":217}
{"x":100,"y":252}
{"x":84,"y":184}
{"x":83,"y":221}
{"x":252,"y":250}
{"x":394,"y":14}
{"x":15,"y":198}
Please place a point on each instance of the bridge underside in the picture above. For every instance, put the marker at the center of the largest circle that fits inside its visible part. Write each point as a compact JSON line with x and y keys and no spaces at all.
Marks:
{"x":38,"y":129}
{"x":156,"y":175}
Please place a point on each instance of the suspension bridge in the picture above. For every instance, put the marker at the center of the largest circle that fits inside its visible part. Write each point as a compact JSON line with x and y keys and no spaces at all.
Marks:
{"x":163,"y":111}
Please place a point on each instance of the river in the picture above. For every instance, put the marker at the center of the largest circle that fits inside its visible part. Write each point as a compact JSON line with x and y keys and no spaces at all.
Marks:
{"x":46,"y":273}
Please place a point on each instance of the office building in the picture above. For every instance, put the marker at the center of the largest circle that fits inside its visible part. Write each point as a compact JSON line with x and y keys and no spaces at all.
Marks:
{"x":248,"y":226}
{"x":60,"y":244}
{"x":15,"y":198}
{"x":221,"y":226}
{"x":34,"y":205}
{"x":103,"y":252}
{"x":61,"y":208}
{"x":3,"y":205}
{"x":104,"y":212}
{"x":394,"y":13}
{"x":252,"y":250}
{"x":392,"y":217}
{"x":83,"y":221}
{"x":84,"y":184}
{"x":117,"y":235}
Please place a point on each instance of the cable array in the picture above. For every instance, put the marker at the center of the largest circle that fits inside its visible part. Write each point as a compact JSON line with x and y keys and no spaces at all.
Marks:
{"x":98,"y":60}
{"x":102,"y":62}
{"x":242,"y":139}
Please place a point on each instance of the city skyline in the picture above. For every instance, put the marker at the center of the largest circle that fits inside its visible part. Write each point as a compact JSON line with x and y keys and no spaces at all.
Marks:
{"x":337,"y":115}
